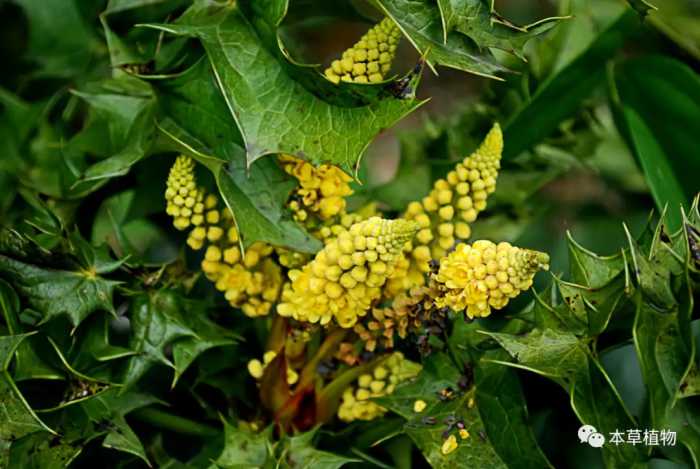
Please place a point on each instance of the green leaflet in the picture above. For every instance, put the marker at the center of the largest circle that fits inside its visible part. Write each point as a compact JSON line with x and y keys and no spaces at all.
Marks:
{"x":126,"y":107}
{"x":17,"y":417}
{"x":54,"y":293}
{"x":244,"y":449}
{"x":438,"y":373}
{"x":307,"y":126}
{"x":458,"y":33}
{"x":652,"y":277}
{"x":162,"y":318}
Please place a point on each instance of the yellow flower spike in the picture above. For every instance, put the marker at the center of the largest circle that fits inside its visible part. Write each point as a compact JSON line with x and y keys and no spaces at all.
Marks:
{"x":251,"y":283}
{"x":484,"y":275}
{"x":322,"y":190}
{"x":369,"y":60}
{"x":181,"y":192}
{"x":316,"y":293}
{"x":455,"y":201}
{"x":463,"y":434}
{"x":357,"y":404}
{"x":449,"y":445}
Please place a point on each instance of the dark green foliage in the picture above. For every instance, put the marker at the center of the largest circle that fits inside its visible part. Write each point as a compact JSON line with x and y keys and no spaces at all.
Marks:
{"x":115,"y":352}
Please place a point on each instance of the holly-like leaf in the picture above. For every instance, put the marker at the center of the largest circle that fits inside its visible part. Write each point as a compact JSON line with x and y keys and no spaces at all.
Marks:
{"x":274,"y":112}
{"x":208,"y":335}
{"x":244,"y":449}
{"x":54,"y":293}
{"x":501,"y":403}
{"x":458,"y":33}
{"x":127,"y":107}
{"x":163,"y":318}
{"x":257,"y":200}
{"x":299,"y":451}
{"x":438,"y":374}
{"x":85,"y":419}
{"x":567,"y":360}
{"x":157,"y":319}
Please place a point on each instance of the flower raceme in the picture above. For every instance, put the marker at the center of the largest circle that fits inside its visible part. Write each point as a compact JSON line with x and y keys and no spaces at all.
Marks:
{"x":485,"y":275}
{"x":252,"y":281}
{"x":368,"y":61}
{"x":346,"y":276}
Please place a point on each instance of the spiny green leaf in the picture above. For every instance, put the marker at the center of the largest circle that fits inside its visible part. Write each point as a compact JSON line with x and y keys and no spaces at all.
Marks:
{"x":590,"y":269}
{"x":101,"y":415}
{"x":28,"y":362}
{"x":157,"y":320}
{"x":658,"y":339}
{"x":501,"y":403}
{"x":567,"y":360}
{"x":53,"y":293}
{"x":421,"y":22}
{"x":129,"y":118}
{"x":208,"y":335}
{"x":244,"y":449}
{"x":290,"y":119}
{"x":478,"y":20}
{"x":299,"y":451}
{"x":257,"y":200}
{"x":439,"y":373}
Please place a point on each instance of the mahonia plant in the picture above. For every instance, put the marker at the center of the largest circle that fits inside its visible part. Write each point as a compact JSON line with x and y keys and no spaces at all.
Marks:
{"x":376,"y":281}
{"x":285,"y":296}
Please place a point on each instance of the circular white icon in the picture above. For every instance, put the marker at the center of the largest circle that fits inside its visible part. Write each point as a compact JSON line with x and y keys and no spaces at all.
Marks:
{"x":585,"y":432}
{"x":596,"y":440}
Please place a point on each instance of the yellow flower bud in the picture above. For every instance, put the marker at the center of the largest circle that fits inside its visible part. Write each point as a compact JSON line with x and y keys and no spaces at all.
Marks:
{"x":419,"y":406}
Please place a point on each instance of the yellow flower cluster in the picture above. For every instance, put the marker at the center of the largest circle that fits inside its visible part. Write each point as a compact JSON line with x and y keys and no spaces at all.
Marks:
{"x":356,"y":401}
{"x":251,"y":282}
{"x":256,"y":368}
{"x":322,"y":190}
{"x":484,"y":275}
{"x":370,"y":59}
{"x":346,"y":276}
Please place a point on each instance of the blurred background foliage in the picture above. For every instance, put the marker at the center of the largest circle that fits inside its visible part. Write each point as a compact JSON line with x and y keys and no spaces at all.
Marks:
{"x":601,"y":127}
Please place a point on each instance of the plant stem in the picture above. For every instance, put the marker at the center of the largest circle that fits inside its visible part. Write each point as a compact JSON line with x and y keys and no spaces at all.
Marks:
{"x":164,"y":420}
